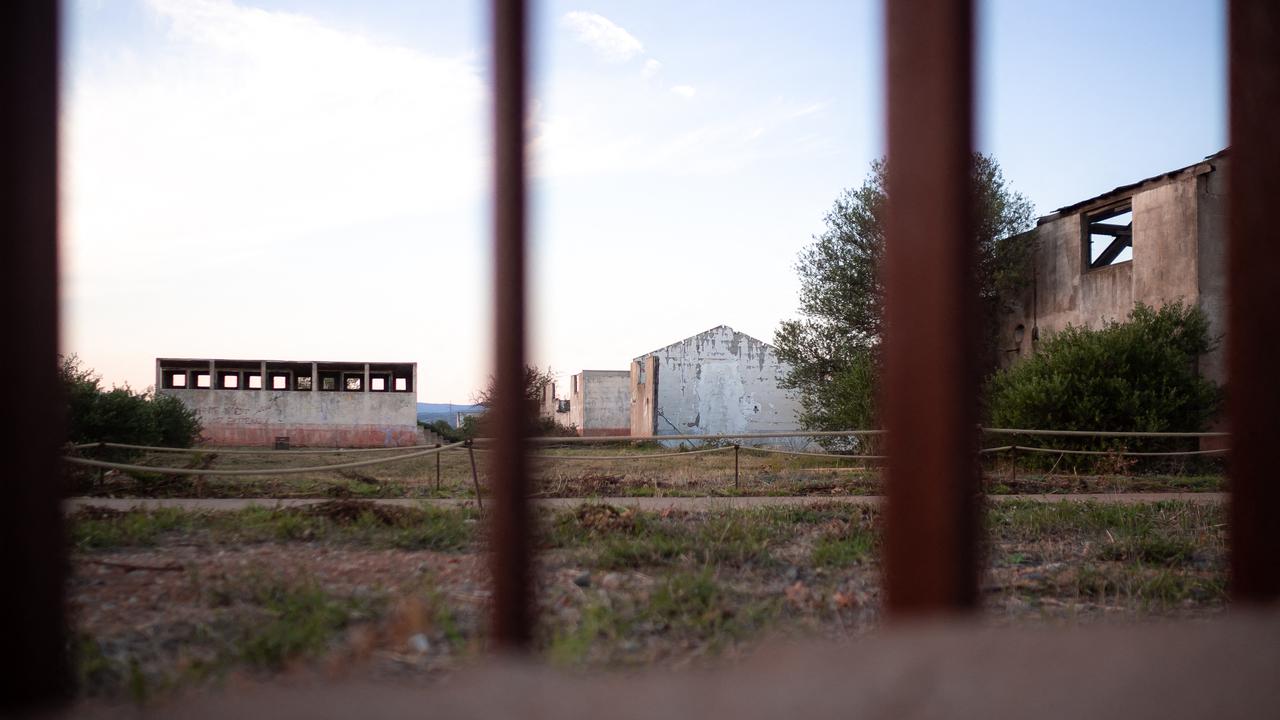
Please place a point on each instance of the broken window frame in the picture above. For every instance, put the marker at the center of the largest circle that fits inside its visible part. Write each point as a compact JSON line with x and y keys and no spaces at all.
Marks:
{"x":1095,"y":224}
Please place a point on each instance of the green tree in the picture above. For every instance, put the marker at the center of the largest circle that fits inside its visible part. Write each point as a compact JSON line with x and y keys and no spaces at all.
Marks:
{"x":833,"y":347}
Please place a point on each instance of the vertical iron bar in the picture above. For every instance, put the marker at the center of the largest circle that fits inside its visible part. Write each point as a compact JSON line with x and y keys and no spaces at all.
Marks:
{"x":930,"y":388}
{"x":512,"y":585}
{"x":34,"y":671}
{"x":1253,"y":325}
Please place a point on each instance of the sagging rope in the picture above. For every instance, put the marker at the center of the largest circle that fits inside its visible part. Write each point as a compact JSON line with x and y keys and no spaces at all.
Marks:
{"x":636,"y":456}
{"x":246,"y":451}
{"x":814,"y":454}
{"x":257,"y":471}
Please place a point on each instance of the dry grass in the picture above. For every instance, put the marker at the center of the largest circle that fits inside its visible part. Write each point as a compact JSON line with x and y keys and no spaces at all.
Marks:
{"x":345,"y":588}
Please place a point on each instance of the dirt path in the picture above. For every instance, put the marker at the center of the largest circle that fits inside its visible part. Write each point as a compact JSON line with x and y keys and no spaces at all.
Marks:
{"x":640,"y":503}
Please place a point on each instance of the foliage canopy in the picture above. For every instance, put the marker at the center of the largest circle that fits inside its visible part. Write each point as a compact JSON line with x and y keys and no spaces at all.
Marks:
{"x":833,"y":346}
{"x":1138,"y":375}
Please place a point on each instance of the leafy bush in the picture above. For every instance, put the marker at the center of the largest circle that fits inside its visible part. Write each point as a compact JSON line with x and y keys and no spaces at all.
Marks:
{"x":1138,"y":375}
{"x":121,"y":415}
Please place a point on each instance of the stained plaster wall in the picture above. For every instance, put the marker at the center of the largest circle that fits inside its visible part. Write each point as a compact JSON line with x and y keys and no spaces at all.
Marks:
{"x":718,"y":381}
{"x":1178,"y":248}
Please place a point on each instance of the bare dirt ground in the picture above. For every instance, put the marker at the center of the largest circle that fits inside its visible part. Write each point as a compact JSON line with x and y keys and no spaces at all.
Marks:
{"x":172,"y":600}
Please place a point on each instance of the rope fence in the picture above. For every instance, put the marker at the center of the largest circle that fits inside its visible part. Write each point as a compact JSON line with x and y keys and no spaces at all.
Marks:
{"x":405,"y":453}
{"x":256,"y":471}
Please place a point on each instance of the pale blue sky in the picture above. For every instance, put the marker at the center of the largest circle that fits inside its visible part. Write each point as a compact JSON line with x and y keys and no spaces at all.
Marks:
{"x":306,"y":178}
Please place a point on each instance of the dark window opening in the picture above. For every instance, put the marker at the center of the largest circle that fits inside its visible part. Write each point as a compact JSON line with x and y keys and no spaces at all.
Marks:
{"x":1109,"y":236}
{"x":329,"y":380}
{"x":302,"y":382}
{"x":352,"y":382}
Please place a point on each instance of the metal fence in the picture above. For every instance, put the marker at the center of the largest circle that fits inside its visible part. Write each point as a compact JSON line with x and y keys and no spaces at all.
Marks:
{"x":932,"y":532}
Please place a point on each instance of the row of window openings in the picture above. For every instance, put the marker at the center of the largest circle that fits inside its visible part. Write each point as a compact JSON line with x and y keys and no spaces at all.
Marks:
{"x":329,"y":381}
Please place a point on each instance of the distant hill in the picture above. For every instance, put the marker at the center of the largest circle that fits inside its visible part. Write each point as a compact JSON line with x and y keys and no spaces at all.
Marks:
{"x":448,"y":412}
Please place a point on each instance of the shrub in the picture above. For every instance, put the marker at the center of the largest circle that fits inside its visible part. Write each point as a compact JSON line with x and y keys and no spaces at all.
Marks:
{"x":121,"y":415}
{"x":1138,"y":375}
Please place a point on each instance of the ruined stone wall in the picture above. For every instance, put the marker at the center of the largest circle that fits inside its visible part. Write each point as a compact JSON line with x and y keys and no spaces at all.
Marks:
{"x":1178,"y":247}
{"x":606,"y":408}
{"x":719,"y":381}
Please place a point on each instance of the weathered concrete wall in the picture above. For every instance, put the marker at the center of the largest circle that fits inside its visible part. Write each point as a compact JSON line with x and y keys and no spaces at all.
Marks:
{"x":644,"y":398}
{"x":256,"y":417}
{"x":606,"y":402}
{"x":1178,"y":247}
{"x":575,"y":418}
{"x":718,"y":381}
{"x":1212,"y":248}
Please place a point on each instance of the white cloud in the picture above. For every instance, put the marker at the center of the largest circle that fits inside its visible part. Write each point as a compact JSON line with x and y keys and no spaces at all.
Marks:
{"x":651,"y":68}
{"x":684,"y":91}
{"x":608,"y":40}
{"x":251,"y":121}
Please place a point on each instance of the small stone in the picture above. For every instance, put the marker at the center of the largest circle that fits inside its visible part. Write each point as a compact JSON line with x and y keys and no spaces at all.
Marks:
{"x":583,"y":580}
{"x":611,"y":581}
{"x":419,"y":643}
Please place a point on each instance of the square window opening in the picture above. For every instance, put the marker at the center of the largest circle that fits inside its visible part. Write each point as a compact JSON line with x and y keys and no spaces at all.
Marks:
{"x":174,"y":378}
{"x":280,"y":381}
{"x":302,"y":382}
{"x":329,"y":381}
{"x":1109,"y":236}
{"x":377,"y":384}
{"x":352,"y":382}
{"x":229,"y":380}
{"x":202,"y":380}
{"x":253,"y":381}
{"x":402,"y":384}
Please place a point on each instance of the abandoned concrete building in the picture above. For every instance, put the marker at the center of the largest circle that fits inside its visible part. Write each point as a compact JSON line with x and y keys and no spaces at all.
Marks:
{"x":270,"y":403}
{"x":1159,"y":240}
{"x":599,"y":403}
{"x":718,"y":381}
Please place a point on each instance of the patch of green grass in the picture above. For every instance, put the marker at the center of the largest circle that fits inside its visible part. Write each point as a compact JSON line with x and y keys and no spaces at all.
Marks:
{"x":91,"y":531}
{"x":843,"y":551}
{"x":1149,"y":587}
{"x":421,"y":528}
{"x":1149,"y":548}
{"x":301,"y":620}
{"x":617,"y":552}
{"x":599,"y":622}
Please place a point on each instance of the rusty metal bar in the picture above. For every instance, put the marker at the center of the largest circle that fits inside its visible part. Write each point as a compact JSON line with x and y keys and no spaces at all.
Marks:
{"x":930,"y":390}
{"x":1253,"y":298}
{"x":34,"y":670}
{"x":510,"y":555}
